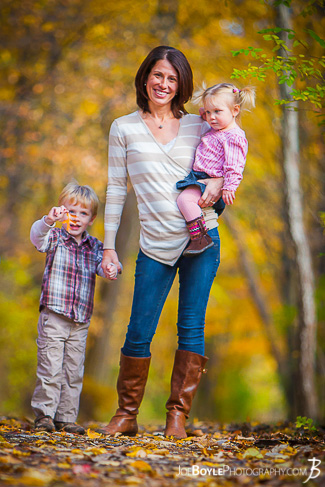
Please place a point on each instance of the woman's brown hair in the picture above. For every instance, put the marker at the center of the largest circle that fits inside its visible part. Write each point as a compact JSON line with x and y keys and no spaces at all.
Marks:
{"x":185,"y":78}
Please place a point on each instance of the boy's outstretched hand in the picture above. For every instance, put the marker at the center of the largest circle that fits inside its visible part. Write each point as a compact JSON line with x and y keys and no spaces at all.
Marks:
{"x":228,"y":196}
{"x":55,"y":214}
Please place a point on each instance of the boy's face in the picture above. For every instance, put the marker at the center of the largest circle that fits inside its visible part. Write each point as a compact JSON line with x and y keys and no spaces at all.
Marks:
{"x":81,"y":218}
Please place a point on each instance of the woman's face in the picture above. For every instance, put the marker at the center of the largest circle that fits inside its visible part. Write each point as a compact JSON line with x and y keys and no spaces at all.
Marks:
{"x":162,"y":83}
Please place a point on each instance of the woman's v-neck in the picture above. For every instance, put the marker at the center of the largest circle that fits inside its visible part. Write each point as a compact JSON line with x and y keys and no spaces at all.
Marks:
{"x":162,"y":146}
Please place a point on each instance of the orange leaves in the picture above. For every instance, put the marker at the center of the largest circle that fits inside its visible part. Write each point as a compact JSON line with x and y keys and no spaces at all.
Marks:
{"x":93,"y":434}
{"x":43,"y":459}
{"x":141,"y":465}
{"x":35,"y":477}
{"x":68,"y":221}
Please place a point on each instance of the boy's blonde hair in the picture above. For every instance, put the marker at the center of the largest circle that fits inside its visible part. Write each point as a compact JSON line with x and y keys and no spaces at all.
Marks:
{"x":73,"y":193}
{"x":245,"y":97}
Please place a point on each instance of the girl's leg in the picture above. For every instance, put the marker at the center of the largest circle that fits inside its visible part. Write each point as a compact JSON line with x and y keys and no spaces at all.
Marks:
{"x":187,"y":202}
{"x":153,"y":281}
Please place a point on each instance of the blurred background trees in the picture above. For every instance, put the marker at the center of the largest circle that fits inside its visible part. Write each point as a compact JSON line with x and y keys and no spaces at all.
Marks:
{"x":68,"y":70}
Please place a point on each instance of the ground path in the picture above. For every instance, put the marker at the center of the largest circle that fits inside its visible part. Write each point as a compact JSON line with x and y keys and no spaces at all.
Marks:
{"x":214,"y":455}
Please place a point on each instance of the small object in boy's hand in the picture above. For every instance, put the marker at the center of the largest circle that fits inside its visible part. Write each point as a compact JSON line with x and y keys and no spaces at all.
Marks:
{"x":68,"y":220}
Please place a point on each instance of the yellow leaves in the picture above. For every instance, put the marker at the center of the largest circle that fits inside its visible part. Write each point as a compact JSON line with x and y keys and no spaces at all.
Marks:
{"x":48,"y":27}
{"x":3,"y":443}
{"x":33,"y":150}
{"x":96,"y":450}
{"x":141,"y":465}
{"x":64,"y":465}
{"x":36,"y":478}
{"x":20,"y":453}
{"x":161,"y":451}
{"x":98,"y":32}
{"x":252,"y":453}
{"x":93,"y":434}
{"x":9,"y":459}
{"x":89,"y":107}
{"x":138,"y":452}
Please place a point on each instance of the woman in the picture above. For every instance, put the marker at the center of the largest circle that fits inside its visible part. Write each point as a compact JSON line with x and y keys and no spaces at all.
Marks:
{"x":155,"y":146}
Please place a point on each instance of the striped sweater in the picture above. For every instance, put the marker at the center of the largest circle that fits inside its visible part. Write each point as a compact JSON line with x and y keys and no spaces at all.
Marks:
{"x":134,"y":152}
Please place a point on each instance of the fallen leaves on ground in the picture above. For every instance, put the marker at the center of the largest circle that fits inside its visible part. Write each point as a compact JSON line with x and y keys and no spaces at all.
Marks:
{"x":215,"y":455}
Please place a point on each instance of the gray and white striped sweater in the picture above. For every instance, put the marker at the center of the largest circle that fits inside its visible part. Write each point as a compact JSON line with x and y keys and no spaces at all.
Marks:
{"x":153,"y":172}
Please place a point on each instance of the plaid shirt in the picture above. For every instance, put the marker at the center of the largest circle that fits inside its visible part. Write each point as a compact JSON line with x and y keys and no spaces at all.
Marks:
{"x":223,"y":153}
{"x":70,"y":271}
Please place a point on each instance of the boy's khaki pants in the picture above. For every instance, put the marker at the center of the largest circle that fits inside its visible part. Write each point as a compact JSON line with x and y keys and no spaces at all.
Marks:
{"x":60,"y":366}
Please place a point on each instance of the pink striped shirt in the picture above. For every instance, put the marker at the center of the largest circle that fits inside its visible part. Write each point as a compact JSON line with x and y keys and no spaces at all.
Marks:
{"x":223,"y":154}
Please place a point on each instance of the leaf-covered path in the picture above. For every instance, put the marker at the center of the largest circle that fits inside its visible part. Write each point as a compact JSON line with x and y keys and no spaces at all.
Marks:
{"x":216,"y":455}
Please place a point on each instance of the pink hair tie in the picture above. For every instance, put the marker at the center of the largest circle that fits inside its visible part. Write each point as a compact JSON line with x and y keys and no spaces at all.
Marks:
{"x":236,"y":90}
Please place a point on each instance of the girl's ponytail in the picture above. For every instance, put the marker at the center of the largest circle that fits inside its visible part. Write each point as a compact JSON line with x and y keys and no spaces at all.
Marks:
{"x":246,"y":97}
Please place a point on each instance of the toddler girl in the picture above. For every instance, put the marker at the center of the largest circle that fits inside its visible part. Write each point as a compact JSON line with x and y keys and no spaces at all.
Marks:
{"x":221,"y":153}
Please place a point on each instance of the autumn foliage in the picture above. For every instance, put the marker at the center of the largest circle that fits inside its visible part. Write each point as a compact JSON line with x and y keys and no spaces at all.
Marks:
{"x":67,"y":71}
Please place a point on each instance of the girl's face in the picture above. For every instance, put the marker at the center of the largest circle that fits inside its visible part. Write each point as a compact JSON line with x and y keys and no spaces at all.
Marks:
{"x":162,"y":83}
{"x":219,"y":113}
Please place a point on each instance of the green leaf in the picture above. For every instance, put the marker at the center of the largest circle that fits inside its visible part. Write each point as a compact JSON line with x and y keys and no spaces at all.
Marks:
{"x":252,"y":453}
{"x":316,"y":37}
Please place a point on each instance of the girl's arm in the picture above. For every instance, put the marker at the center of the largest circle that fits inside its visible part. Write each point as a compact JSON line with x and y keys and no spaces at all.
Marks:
{"x":213,"y":185}
{"x":235,"y":150}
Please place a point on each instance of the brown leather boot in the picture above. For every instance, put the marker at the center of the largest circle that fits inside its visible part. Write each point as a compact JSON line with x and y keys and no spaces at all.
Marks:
{"x":200,"y":240}
{"x":186,"y":376}
{"x":131,"y":383}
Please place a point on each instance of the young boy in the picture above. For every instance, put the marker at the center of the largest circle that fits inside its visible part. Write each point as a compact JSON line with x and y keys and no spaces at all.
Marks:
{"x":66,"y":304}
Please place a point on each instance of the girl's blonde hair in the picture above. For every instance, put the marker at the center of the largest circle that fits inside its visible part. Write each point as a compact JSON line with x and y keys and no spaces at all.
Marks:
{"x":244,"y":97}
{"x":73,"y":193}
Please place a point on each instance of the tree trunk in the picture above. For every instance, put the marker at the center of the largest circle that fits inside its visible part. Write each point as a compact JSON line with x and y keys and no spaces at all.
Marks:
{"x":306,"y":303}
{"x":261,"y":305}
{"x":165,"y":20}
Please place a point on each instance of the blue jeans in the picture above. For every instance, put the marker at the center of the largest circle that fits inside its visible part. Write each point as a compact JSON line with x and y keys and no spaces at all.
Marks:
{"x":153,"y":281}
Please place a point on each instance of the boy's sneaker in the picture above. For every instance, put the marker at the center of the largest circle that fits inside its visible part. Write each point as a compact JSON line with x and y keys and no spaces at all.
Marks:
{"x":44,"y":423}
{"x":69,"y":427}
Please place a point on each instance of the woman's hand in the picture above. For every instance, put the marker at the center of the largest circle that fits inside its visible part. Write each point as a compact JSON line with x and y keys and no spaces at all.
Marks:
{"x":212,"y":191}
{"x":110,"y":257}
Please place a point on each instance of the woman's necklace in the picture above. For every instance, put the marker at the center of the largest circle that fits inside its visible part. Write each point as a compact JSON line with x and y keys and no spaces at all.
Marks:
{"x":161,"y":125}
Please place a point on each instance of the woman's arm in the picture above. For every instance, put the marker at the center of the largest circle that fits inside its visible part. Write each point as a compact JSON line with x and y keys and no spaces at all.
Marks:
{"x":110,"y":257}
{"x":212,"y":191}
{"x":116,"y":186}
{"x":115,"y":195}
